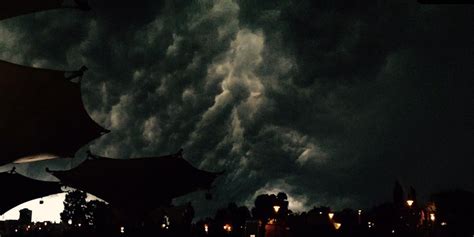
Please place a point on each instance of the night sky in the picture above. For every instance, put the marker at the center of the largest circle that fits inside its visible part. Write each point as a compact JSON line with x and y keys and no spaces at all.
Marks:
{"x":328,"y":102}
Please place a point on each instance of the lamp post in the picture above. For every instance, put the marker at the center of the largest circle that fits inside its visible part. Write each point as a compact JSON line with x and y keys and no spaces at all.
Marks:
{"x":410,"y":219}
{"x":359,"y":214}
{"x":276,"y":208}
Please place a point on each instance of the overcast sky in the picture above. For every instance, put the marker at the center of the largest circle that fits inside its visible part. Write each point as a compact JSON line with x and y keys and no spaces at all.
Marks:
{"x":328,"y":102}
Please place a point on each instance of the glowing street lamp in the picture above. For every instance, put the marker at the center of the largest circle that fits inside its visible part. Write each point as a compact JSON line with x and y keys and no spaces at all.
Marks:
{"x":276,"y":208}
{"x":227,"y":228}
{"x":410,"y":202}
{"x":337,"y":225}
{"x":206,"y":228}
{"x":330,"y":215}
{"x":432,"y":217}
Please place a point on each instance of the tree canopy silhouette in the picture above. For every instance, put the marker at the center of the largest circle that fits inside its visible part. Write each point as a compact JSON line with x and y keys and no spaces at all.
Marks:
{"x":264,"y":211}
{"x":75,"y":208}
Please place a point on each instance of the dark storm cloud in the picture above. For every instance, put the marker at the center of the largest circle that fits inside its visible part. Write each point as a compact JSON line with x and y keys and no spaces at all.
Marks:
{"x":387,"y":88}
{"x":328,"y":102}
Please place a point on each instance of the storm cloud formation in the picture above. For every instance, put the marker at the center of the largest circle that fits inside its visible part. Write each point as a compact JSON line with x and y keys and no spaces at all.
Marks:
{"x":328,"y":102}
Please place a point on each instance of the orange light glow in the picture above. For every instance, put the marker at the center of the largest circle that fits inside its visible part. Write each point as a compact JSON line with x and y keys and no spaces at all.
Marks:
{"x":227,"y":227}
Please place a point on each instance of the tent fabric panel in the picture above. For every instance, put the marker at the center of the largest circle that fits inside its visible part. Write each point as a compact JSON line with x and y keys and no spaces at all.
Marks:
{"x":42,"y":113}
{"x":12,"y":8}
{"x":137,"y":181}
{"x":18,"y":189}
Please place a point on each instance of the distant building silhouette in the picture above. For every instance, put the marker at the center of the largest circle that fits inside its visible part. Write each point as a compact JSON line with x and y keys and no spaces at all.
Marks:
{"x":25,"y":216}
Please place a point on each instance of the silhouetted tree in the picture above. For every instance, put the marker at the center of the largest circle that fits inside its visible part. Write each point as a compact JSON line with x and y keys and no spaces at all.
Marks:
{"x":233,"y":215}
{"x":456,"y":208}
{"x":75,"y":208}
{"x":282,"y":202}
{"x":282,"y":196}
{"x":398,"y":195}
{"x":313,"y":223}
{"x":263,"y":209}
{"x":98,"y":214}
{"x":188,"y":215}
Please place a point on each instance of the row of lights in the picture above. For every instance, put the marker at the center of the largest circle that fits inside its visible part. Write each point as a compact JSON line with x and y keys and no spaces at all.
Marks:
{"x":122,"y":229}
{"x":337,"y":225}
{"x":226,"y":227}
{"x":432,"y":215}
{"x":29,"y":227}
